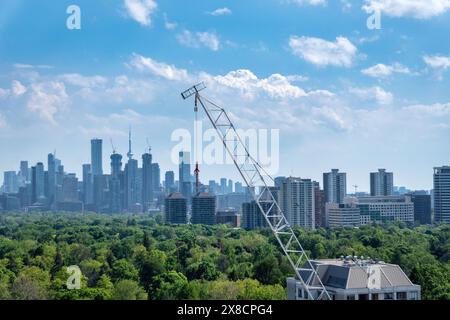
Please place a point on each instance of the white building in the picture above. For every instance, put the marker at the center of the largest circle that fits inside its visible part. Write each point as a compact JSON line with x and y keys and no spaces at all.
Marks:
{"x":297,"y":202}
{"x":342,"y":215}
{"x":384,"y":209}
{"x":358,"y":279}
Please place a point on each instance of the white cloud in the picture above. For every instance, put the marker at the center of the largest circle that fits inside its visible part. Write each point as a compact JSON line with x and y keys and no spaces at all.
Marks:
{"x":168,"y":24}
{"x":18,"y":88}
{"x":437,"y":62}
{"x":419,"y":9}
{"x":310,"y":2}
{"x":47,"y":99}
{"x":435,"y":110}
{"x":322,"y":52}
{"x":2,"y":122}
{"x":383,"y":71}
{"x":141,"y":10}
{"x":374,"y":93}
{"x":196,"y":40}
{"x":220,"y":12}
{"x":161,"y":69}
{"x":79,"y":80}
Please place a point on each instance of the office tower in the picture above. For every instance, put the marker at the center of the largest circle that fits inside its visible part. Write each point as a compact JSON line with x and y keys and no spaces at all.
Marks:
{"x":131,"y":187}
{"x":212,"y":187}
{"x":230,"y":186}
{"x":384,"y":209}
{"x":223,"y":185}
{"x":422,"y":207}
{"x":441,"y":180}
{"x":147,"y":180}
{"x":97,"y":157}
{"x":238,"y":188}
{"x":297,"y":202}
{"x":169,"y":182}
{"x":176,"y":209}
{"x":10,"y":183}
{"x":38,"y":182}
{"x":101,"y":192}
{"x":114,"y":184}
{"x":335,"y":186}
{"x":88,"y":185}
{"x":24,"y":171}
{"x":381,"y":183}
{"x":184,"y":174}
{"x":342,"y":215}
{"x":252,"y":217}
{"x":51,"y":178}
{"x":156,"y":177}
{"x":70,"y":188}
{"x":279,"y":181}
{"x":319,"y":205}
{"x":203,"y":209}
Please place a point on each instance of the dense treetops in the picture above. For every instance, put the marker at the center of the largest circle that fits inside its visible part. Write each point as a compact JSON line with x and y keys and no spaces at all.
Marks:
{"x":138,"y":257}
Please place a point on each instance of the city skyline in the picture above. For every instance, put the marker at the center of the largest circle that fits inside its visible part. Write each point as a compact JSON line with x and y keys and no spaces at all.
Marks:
{"x":365,"y":98}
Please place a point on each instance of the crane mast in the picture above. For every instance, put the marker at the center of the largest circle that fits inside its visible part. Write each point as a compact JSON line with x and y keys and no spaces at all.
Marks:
{"x":254,"y":176}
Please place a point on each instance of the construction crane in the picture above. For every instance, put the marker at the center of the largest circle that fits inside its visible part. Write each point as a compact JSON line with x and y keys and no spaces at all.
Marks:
{"x":254,"y":175}
{"x":112,"y":146}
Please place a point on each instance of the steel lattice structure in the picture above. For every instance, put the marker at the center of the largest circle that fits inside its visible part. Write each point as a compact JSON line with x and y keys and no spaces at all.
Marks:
{"x":254,"y":176}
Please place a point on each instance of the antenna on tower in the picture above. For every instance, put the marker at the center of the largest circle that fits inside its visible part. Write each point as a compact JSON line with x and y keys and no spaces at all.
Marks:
{"x":149,"y":147}
{"x":130,"y":153}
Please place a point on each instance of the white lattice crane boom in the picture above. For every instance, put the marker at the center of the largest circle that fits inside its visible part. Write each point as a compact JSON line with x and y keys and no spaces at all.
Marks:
{"x":254,"y":176}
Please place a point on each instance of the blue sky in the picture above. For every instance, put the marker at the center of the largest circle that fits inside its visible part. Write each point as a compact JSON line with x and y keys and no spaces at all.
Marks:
{"x":342,"y":95}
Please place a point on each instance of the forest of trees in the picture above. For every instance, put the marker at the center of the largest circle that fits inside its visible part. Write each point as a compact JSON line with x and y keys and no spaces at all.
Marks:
{"x":139,"y":257}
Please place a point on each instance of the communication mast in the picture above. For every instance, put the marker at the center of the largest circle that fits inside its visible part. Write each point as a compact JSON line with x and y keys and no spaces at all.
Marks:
{"x":254,"y":175}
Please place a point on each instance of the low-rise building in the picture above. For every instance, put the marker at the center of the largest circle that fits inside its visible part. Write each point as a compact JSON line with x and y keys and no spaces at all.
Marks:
{"x":359,"y":279}
{"x":342,"y":215}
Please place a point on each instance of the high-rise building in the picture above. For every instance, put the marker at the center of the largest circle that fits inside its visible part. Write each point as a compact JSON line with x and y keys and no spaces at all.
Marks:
{"x":230,"y":186}
{"x":238,"y":188}
{"x":184,"y":174}
{"x":147,"y":180}
{"x":88,"y":185}
{"x":279,"y":181}
{"x":70,"y":188}
{"x":38,"y":183}
{"x":24,"y":171}
{"x":422,"y":207}
{"x":223,"y":185}
{"x":97,"y":157}
{"x":203,"y":209}
{"x":441,"y":180}
{"x":381,"y":183}
{"x":252,"y":217}
{"x":335,"y":186}
{"x":230,"y":217}
{"x":156,"y":177}
{"x":131,"y":187}
{"x":169,"y":182}
{"x":176,"y":209}
{"x":51,"y":178}
{"x":115,"y":183}
{"x":10,"y":184}
{"x":297,"y":202}
{"x":319,"y":206}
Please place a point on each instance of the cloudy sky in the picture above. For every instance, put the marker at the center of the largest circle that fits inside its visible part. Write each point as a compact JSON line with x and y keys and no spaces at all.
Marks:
{"x":342,"y":95}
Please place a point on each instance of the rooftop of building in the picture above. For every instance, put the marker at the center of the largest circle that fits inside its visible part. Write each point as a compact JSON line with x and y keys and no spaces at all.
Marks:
{"x":360,"y":273}
{"x":176,"y":195}
{"x":204,"y":195}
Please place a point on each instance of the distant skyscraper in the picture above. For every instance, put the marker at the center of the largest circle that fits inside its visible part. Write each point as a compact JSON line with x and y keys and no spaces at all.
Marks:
{"x":297,"y":202}
{"x":131,"y":187}
{"x":176,"y":209}
{"x":184,"y":172}
{"x":335,"y":186}
{"x":51,"y":178}
{"x":223,"y":185}
{"x":279,"y":181}
{"x":319,"y":205}
{"x":252,"y":217}
{"x":38,"y":182}
{"x":70,"y":188}
{"x":156,"y":177}
{"x":10,"y":182}
{"x":230,"y":186}
{"x":88,"y":185}
{"x":442,"y":194}
{"x":381,"y":183}
{"x":238,"y":188}
{"x":101,"y":193}
{"x":169,"y":182}
{"x":24,"y":171}
{"x":97,"y":157}
{"x":203,"y":209}
{"x":147,"y":180}
{"x":115,"y":183}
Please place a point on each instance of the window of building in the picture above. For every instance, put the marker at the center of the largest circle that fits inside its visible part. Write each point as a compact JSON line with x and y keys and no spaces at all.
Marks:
{"x":414,"y":296}
{"x":375,"y":296}
{"x":402,"y":296}
{"x":351,"y":297}
{"x":389,"y":296}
